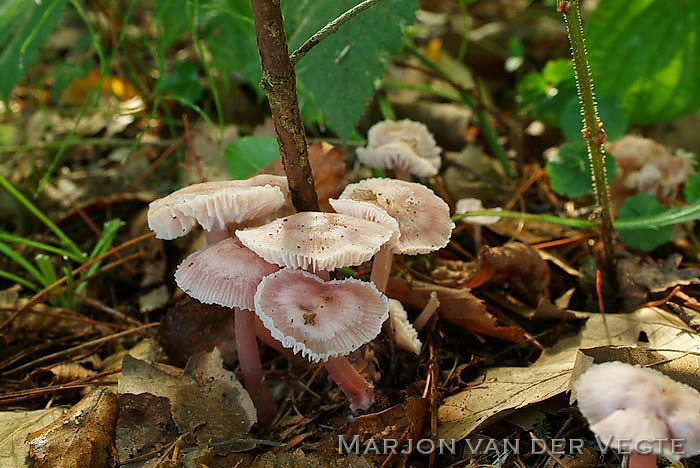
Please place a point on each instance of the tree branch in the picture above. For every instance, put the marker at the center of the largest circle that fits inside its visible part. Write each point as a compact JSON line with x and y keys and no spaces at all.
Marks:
{"x":329,"y":29}
{"x":279,"y":83}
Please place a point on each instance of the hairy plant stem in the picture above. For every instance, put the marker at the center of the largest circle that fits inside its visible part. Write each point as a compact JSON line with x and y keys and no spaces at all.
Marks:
{"x":279,"y":83}
{"x":592,"y":131}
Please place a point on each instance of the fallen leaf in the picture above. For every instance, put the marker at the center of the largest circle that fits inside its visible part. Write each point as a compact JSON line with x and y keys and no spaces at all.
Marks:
{"x":145,"y":424}
{"x":14,"y":427}
{"x":299,"y":459}
{"x":82,"y":437}
{"x":206,"y":400}
{"x":503,"y":390}
{"x":640,"y":278}
{"x":190,"y":327}
{"x":457,"y":306}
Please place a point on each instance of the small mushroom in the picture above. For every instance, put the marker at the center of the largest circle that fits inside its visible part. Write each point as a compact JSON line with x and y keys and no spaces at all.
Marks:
{"x":405,"y":146}
{"x":423,"y":219}
{"x":228,"y":274}
{"x":324,"y":320}
{"x":632,"y":406}
{"x":466,"y":205}
{"x":218,"y":207}
{"x":405,"y":335}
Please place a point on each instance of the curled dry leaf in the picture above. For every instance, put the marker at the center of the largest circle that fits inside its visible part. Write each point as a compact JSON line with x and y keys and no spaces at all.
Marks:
{"x":206,"y":400}
{"x":14,"y":427}
{"x":457,"y":306}
{"x":83,"y":437}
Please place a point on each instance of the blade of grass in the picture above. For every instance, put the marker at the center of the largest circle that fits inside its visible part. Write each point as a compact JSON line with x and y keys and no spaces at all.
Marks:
{"x":21,"y":261}
{"x":19,"y":280}
{"x":7,"y":237}
{"x":65,"y":240}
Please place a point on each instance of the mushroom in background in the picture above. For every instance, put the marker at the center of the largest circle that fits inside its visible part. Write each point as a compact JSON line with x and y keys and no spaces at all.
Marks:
{"x":632,"y":406}
{"x":466,"y":205}
{"x":405,"y":146}
{"x":644,"y":166}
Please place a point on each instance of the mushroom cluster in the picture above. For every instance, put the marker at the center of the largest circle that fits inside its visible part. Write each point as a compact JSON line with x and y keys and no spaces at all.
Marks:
{"x":274,"y":268}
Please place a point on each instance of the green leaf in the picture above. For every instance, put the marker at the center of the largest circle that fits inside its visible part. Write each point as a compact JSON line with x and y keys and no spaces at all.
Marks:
{"x":182,"y":83}
{"x":612,"y":113}
{"x":246,"y":156}
{"x":637,"y":206}
{"x":340,"y":72}
{"x":171,"y":20}
{"x":691,"y":191}
{"x":570,"y":172}
{"x":646,"y":52}
{"x":24,"y":26}
{"x":63,"y":74}
{"x":545,"y":94}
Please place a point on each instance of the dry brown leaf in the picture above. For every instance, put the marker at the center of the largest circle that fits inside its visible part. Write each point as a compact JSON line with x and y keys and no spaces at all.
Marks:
{"x":145,"y":424}
{"x":81,"y":438}
{"x":457,"y":306}
{"x":207,"y":400}
{"x":14,"y":427}
{"x":506,"y":389}
{"x":518,"y":263}
{"x":299,"y":459}
{"x":639,"y":278}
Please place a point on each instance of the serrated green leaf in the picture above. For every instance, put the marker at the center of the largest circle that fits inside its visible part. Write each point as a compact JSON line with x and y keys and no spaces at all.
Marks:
{"x":246,"y":156}
{"x":637,"y":206}
{"x":340,"y":72}
{"x":612,"y":113}
{"x":24,"y":27}
{"x":570,"y":173}
{"x":691,"y":191}
{"x":646,"y":52}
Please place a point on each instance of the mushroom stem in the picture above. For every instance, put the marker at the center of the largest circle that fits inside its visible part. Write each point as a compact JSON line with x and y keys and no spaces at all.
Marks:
{"x":402,"y":174}
{"x":249,"y":360}
{"x":381,"y":267}
{"x":642,"y":460}
{"x":216,"y":235}
{"x":476,"y":235}
{"x":427,"y":313}
{"x":359,"y":392}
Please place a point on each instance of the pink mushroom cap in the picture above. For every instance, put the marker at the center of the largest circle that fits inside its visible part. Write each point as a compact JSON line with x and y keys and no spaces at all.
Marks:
{"x":213,"y":205}
{"x":321,"y":241}
{"x":628,"y":405}
{"x":225,"y":273}
{"x":320,"y":319}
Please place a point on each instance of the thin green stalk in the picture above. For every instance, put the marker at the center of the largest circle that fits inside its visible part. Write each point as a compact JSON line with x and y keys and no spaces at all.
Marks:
{"x":21,"y":261}
{"x":422,"y":88}
{"x":464,"y":96}
{"x":385,"y":107}
{"x":592,"y":131}
{"x":19,"y":280}
{"x":7,"y":237}
{"x":65,"y":240}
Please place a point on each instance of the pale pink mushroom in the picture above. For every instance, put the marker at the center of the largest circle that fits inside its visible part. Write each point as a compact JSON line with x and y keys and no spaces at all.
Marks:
{"x":324,"y":320}
{"x":405,"y":335}
{"x":423,"y":219}
{"x":630,"y":407}
{"x":228,"y":274}
{"x":405,"y":146}
{"x":219,"y":207}
{"x":466,"y":205}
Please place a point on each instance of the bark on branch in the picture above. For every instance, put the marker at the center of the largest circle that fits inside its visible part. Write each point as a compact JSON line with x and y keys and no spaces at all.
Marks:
{"x":279,"y":83}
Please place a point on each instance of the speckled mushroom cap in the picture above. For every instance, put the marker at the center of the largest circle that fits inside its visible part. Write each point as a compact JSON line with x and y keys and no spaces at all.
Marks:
{"x":405,"y":335}
{"x":213,"y":205}
{"x":628,"y":404}
{"x":402,"y":144}
{"x":320,"y":241}
{"x":368,"y":211}
{"x":423,"y":217}
{"x":225,"y":273}
{"x":320,"y":319}
{"x":465,"y":205}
